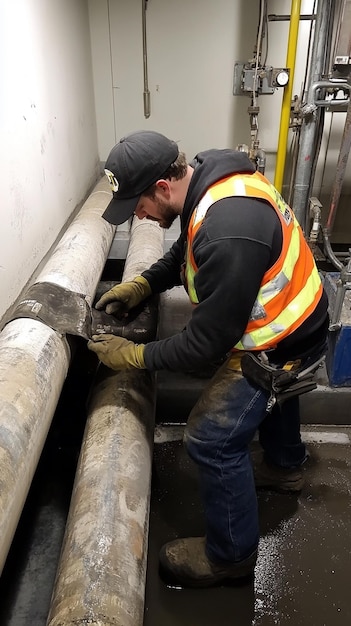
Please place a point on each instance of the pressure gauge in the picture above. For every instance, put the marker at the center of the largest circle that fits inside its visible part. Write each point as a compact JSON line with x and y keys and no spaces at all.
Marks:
{"x":280,"y":77}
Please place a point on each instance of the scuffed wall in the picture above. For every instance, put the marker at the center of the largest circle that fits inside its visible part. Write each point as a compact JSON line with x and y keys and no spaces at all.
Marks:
{"x":48,"y":151}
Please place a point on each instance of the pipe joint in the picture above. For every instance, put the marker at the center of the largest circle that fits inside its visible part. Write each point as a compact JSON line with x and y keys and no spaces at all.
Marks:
{"x":64,"y":311}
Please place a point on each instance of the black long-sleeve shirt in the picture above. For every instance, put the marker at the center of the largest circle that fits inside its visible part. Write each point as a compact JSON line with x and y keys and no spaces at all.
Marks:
{"x":238,"y":241}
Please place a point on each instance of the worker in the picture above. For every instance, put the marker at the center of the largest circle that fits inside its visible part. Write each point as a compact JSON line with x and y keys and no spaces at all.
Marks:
{"x":255,"y":288}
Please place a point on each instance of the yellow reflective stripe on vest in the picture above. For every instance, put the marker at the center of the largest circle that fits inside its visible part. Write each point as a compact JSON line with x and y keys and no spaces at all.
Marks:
{"x":190,"y":275}
{"x":262,"y":336}
{"x":274,"y":286}
{"x":190,"y":272}
{"x":266,"y":189}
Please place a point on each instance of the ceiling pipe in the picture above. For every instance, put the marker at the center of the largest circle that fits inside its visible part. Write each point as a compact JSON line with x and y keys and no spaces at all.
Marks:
{"x":102,"y":571}
{"x":34,"y":360}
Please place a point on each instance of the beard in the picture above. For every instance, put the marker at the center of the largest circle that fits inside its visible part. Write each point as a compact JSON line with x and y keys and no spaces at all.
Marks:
{"x":168,"y":214}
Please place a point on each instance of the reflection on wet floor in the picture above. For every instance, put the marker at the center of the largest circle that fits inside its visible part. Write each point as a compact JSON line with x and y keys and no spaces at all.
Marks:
{"x":304,"y":564}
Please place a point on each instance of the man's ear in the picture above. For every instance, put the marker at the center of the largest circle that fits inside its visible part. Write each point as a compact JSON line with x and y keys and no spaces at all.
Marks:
{"x":163,"y":186}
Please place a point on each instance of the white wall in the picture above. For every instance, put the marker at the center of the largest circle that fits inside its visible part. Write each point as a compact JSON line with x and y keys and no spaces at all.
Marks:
{"x":48,"y":151}
{"x":192,"y":48}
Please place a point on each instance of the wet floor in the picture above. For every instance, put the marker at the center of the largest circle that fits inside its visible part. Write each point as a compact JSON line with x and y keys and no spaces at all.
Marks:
{"x":304,"y":565}
{"x":303,"y":571}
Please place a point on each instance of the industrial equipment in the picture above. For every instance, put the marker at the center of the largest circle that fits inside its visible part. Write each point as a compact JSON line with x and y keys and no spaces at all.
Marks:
{"x":326,"y":90}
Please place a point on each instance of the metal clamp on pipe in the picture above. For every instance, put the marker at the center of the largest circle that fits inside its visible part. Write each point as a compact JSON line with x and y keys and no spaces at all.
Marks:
{"x":69,"y":313}
{"x":65,"y":311}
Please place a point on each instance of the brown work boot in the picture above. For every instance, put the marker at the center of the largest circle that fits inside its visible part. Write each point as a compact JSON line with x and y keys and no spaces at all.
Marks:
{"x":275,"y":478}
{"x":184,"y":563}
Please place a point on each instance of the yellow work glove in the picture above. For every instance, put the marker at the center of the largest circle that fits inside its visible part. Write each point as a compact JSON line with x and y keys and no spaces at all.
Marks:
{"x":118,"y":353}
{"x":123,"y":297}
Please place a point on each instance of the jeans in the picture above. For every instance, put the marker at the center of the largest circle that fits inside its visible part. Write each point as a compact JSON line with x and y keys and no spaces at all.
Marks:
{"x":217,"y":436}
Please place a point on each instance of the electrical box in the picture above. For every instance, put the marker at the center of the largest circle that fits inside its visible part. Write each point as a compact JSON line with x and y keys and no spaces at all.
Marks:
{"x":263,"y":80}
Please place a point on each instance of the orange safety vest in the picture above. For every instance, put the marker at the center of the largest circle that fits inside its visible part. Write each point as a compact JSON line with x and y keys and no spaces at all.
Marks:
{"x":290,"y":289}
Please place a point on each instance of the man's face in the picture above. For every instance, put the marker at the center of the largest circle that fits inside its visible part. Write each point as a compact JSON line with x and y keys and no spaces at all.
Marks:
{"x":157,"y":209}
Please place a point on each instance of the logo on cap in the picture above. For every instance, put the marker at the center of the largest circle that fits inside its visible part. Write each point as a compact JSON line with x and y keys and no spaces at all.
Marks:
{"x":112,"y":180}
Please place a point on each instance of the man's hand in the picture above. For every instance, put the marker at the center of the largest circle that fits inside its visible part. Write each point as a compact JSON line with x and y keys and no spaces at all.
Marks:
{"x":118,"y":353}
{"x":123,"y":297}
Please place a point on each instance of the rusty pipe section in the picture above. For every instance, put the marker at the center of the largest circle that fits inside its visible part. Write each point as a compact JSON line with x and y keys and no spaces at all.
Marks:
{"x":34,"y":361}
{"x":33,"y":366}
{"x":102,"y":570}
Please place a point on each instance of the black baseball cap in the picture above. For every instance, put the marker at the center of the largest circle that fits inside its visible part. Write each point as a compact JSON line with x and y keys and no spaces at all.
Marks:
{"x":137,"y":161}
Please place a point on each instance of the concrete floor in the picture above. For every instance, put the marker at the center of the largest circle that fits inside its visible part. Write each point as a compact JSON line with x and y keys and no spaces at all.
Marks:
{"x":304,"y":565}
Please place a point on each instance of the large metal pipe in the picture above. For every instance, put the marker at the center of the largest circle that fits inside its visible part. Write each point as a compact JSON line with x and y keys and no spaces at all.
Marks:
{"x":62,"y":294}
{"x":340,"y":171}
{"x":80,"y":256}
{"x":307,"y":155}
{"x":34,"y":360}
{"x":102,"y":570}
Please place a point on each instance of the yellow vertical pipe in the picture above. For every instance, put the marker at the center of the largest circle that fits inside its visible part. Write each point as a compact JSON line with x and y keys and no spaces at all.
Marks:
{"x":286,"y":104}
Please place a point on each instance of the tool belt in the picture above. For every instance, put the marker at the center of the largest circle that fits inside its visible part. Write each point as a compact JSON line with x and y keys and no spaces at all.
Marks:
{"x":293,"y":379}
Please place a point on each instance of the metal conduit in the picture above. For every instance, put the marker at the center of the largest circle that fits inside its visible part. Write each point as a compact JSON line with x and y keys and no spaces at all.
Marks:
{"x":102,"y":571}
{"x":340,"y":171}
{"x":309,"y":127}
{"x":34,"y":361}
